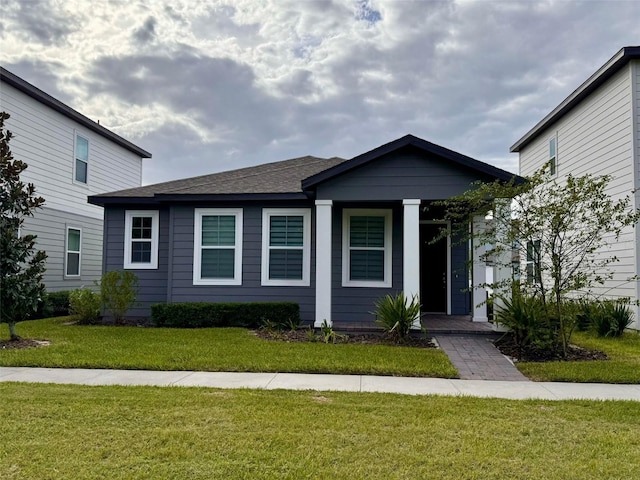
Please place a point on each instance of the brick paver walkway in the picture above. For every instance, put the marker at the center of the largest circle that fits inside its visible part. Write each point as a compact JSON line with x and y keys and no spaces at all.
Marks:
{"x":476,"y":358}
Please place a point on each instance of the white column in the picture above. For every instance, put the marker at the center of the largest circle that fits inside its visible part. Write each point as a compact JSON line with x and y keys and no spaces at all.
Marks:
{"x":502,"y":269}
{"x":411,"y":252}
{"x":323,"y":262}
{"x":479,"y":268}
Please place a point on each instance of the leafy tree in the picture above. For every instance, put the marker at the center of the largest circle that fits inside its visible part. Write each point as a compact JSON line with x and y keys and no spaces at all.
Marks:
{"x":560,"y":226}
{"x":21,"y":266}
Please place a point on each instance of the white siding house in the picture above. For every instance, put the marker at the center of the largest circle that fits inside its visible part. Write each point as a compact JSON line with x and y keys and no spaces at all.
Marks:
{"x":596,"y":130}
{"x":69,"y":157}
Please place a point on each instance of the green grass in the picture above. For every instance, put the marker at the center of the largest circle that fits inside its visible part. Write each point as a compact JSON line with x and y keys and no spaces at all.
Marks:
{"x":211,"y":349}
{"x":56,"y":431}
{"x":623,"y":365}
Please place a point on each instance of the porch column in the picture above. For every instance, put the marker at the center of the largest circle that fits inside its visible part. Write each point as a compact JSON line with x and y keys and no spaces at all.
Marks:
{"x":502,"y":268}
{"x":411,"y":252}
{"x":323,"y":262}
{"x":479,"y":268}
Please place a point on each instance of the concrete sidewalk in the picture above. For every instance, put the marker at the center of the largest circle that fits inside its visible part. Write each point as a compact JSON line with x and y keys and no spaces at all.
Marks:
{"x":344,"y":383}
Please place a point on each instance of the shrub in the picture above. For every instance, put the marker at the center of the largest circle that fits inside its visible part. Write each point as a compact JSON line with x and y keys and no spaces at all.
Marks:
{"x":53,"y":304}
{"x":524,"y":316}
{"x":396,"y":315}
{"x":118,"y":290}
{"x":249,"y":315}
{"x":613,"y":317}
{"x":86,"y":304}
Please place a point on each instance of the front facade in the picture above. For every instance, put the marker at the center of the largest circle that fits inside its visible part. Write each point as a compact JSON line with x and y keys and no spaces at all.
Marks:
{"x":69,"y":157}
{"x":333,"y":235}
{"x":596,"y":130}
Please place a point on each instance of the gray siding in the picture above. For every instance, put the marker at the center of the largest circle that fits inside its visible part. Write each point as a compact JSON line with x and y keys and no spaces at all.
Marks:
{"x":406,"y":174}
{"x":50,"y":226}
{"x":152,"y":283}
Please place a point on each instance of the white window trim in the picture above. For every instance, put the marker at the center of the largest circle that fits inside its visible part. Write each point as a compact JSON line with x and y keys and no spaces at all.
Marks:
{"x":197,"y":247}
{"x":267,"y":213}
{"x":128,"y":221}
{"x":77,"y":134}
{"x":67,"y":252}
{"x":347,"y":213}
{"x":553,"y":138}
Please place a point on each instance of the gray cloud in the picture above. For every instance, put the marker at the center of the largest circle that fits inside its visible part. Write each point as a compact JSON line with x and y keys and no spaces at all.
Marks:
{"x":39,"y":20}
{"x":147,"y":31}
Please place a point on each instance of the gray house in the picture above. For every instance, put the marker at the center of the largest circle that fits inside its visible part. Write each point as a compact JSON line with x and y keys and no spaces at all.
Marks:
{"x":332,"y":234}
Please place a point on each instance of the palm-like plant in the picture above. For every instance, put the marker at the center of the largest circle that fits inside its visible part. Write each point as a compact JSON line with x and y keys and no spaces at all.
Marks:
{"x":396,"y":315}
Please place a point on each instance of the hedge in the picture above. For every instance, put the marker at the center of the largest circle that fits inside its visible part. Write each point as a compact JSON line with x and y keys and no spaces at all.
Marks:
{"x":201,"y":314}
{"x":53,"y":304}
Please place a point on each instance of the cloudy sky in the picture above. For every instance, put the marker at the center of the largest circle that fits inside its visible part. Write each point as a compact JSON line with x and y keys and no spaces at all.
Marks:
{"x":212,"y":85}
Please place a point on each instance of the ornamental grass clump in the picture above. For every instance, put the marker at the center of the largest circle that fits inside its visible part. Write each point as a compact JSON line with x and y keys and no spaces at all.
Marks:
{"x":396,"y":315}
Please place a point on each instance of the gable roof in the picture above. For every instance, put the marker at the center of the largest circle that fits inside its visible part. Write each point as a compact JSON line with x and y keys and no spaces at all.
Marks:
{"x":403,"y":142}
{"x":270,"y":181}
{"x":55,"y":104}
{"x":615,"y":63}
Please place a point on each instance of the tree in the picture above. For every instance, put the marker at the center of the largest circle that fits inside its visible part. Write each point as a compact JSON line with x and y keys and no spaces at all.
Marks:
{"x":561,"y":227}
{"x":21,"y":266}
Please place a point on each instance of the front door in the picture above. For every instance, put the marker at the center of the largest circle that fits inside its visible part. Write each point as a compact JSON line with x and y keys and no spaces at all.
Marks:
{"x":433,"y":269}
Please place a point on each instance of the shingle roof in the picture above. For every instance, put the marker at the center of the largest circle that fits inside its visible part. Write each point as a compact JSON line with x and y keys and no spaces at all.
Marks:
{"x":284,"y":177}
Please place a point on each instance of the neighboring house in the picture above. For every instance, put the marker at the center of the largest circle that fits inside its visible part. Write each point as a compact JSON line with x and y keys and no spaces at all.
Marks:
{"x":596,"y":130}
{"x":333,"y":235}
{"x":69,"y":157}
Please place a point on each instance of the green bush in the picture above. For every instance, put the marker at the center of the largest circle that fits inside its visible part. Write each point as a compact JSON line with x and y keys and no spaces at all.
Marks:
{"x":613,"y":316}
{"x":396,"y":315}
{"x":86,"y":304}
{"x":118,"y":290}
{"x":525,"y":318}
{"x":249,"y":315}
{"x":53,"y":304}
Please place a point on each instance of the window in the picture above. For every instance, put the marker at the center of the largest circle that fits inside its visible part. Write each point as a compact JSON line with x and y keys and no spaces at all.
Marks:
{"x":553,"y":155}
{"x":72,"y":253}
{"x":81,"y":159}
{"x":366,"y":255}
{"x":286,"y":246}
{"x":141,"y":239}
{"x":533,"y":261}
{"x":217,"y":256}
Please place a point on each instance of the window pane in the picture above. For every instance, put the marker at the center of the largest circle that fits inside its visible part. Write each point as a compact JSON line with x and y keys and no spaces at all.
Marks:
{"x":285,"y":264}
{"x":73,"y":240}
{"x":552,"y":148}
{"x":140,"y":252}
{"x":367,"y":265}
{"x":366,"y":232}
{"x":141,"y":227}
{"x":81,"y":171}
{"x":218,"y":230}
{"x":82,"y":148}
{"x":286,"y":231}
{"x":73,"y":264}
{"x":217,"y":263}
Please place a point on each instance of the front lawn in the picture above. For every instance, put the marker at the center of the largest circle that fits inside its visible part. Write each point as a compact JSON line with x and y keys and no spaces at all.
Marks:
{"x":623,"y":365}
{"x":211,"y":349}
{"x":61,"y":431}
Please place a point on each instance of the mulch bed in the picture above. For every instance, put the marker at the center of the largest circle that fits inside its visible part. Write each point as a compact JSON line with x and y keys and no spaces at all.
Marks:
{"x":302,"y":335}
{"x":574,"y":353}
{"x":22,"y":343}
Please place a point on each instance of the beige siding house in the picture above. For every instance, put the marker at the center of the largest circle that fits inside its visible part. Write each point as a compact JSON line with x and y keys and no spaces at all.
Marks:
{"x":70,"y":157}
{"x":596,"y":130}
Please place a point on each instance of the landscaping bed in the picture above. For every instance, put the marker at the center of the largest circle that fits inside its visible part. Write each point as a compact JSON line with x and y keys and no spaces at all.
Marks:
{"x":575,"y":353}
{"x":370,"y":338}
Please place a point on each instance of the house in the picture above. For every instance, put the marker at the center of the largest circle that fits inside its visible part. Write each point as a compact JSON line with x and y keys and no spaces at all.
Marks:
{"x":69,"y":158}
{"x":332,"y":234}
{"x":596,"y":130}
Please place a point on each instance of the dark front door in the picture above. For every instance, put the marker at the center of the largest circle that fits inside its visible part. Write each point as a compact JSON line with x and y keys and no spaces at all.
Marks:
{"x":433,"y":269}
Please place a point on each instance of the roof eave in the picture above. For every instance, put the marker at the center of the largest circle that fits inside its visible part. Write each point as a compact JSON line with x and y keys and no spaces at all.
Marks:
{"x":51,"y":102}
{"x":615,"y":63}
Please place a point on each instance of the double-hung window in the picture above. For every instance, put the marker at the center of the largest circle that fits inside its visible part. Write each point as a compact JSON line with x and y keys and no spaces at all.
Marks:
{"x":141,"y":239}
{"x":73,"y":252}
{"x":553,"y":155}
{"x":366,"y":254}
{"x":286,"y":246}
{"x":533,"y":261}
{"x":217,"y":256}
{"x":81,"y":166}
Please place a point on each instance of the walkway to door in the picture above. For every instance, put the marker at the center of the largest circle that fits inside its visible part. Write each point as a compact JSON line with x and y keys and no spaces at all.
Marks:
{"x":469,"y":346}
